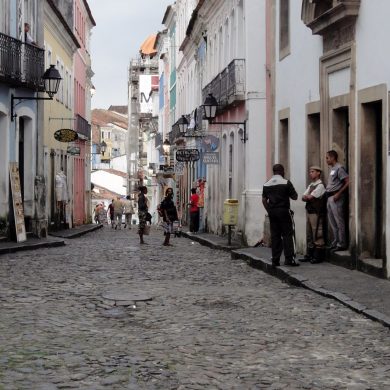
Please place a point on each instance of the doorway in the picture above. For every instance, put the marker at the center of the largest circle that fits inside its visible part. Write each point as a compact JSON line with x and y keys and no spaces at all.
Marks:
{"x":313,"y":140}
{"x":284,"y":156}
{"x":21,"y":155}
{"x":371,"y":182}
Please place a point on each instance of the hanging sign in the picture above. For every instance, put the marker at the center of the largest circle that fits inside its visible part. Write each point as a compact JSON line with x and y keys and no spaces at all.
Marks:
{"x":73,"y":150}
{"x":17,"y":202}
{"x":210,"y":158}
{"x":65,"y":135}
{"x":186,"y":155}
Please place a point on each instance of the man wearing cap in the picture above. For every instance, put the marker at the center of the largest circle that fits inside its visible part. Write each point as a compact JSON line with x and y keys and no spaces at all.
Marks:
{"x":336,"y":190}
{"x":277,"y":193}
{"x":316,"y":211}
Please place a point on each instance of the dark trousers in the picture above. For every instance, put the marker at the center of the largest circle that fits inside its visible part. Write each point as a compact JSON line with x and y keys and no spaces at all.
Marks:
{"x":282,"y":233}
{"x":194,"y":221}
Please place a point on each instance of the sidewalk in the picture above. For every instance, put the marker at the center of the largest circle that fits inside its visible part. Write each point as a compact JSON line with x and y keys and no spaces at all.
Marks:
{"x":76,"y":232}
{"x":31,"y":243}
{"x":362,"y":293}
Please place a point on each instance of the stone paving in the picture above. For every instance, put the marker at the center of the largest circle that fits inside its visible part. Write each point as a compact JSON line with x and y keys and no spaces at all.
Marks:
{"x":68,"y":321}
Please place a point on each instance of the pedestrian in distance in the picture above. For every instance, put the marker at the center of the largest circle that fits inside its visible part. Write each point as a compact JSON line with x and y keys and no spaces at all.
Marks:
{"x":118,"y":212}
{"x":169,"y":213}
{"x":128,"y":211}
{"x":336,"y":193}
{"x":277,"y":193}
{"x":111,"y":213}
{"x":194,"y":211}
{"x":315,"y":200}
{"x":142,"y":212}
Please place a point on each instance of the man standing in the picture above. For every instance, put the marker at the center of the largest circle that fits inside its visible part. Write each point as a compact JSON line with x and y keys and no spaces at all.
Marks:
{"x":316,"y":212}
{"x":338,"y":183}
{"x":118,"y":211}
{"x":194,"y":211}
{"x":277,"y":193}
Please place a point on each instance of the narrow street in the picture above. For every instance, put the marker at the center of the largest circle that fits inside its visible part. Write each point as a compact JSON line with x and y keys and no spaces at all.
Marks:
{"x":211,"y":323}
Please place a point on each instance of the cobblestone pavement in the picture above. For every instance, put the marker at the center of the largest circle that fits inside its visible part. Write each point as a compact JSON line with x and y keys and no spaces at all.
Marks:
{"x":213,"y":323}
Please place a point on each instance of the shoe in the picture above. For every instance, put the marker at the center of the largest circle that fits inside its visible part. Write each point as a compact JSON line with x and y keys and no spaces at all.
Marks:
{"x":275,"y":263}
{"x":125,"y":226}
{"x":315,"y":261}
{"x":291,"y":263}
{"x":167,"y":244}
{"x":306,"y":259}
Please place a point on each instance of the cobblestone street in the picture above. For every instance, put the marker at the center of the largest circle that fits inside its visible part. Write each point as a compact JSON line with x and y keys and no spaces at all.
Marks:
{"x":212,"y":322}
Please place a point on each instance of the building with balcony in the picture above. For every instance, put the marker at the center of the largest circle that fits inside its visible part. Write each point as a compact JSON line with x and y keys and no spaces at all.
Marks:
{"x":21,"y":69}
{"x":143,"y":86}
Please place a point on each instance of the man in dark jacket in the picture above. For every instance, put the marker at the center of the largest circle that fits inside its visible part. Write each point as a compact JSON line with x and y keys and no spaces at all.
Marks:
{"x":169,"y":212}
{"x":277,"y":193}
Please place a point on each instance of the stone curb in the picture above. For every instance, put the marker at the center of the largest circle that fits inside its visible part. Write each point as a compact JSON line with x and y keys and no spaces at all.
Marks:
{"x":79,"y":233}
{"x":209,"y":243}
{"x":287,"y":275}
{"x":31,"y":246}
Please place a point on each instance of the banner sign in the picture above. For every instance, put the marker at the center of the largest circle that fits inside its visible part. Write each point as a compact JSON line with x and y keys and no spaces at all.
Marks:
{"x":17,"y":202}
{"x":210,"y":158}
{"x":65,"y":135}
{"x":186,"y":155}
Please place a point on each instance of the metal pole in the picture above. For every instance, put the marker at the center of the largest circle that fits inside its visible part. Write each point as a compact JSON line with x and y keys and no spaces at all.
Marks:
{"x":229,"y":235}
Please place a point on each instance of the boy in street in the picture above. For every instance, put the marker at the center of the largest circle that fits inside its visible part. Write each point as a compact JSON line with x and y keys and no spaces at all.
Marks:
{"x":338,"y":183}
{"x":316,"y":212}
{"x":277,"y":193}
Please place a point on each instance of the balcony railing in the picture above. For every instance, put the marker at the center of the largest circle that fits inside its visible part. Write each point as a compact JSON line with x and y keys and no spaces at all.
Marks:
{"x":21,"y":64}
{"x":229,"y":85}
{"x":83,"y":127}
{"x":10,"y":55}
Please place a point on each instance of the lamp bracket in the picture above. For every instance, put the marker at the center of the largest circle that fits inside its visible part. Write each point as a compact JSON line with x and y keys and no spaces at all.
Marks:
{"x":21,"y":98}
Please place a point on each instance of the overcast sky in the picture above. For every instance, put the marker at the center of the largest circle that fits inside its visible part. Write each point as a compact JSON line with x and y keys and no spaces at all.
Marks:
{"x":121,"y":27}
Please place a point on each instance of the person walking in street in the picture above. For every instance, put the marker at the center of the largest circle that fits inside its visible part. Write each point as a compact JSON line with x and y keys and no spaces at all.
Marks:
{"x":111,"y":213}
{"x":128,"y":211}
{"x":314,"y":197}
{"x":277,"y":193}
{"x":336,"y":191}
{"x":194,"y":211}
{"x":169,"y":212}
{"x":118,"y":212}
{"x":142,"y":212}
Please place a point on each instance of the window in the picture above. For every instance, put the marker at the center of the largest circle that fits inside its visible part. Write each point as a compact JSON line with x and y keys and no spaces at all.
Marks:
{"x":284,"y":28}
{"x":4,"y":16}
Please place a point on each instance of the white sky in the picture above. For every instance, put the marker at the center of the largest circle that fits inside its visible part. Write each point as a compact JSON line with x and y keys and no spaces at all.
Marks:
{"x":121,"y":27}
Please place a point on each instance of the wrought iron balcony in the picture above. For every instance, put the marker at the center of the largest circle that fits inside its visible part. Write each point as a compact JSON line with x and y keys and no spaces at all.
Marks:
{"x":21,"y":64}
{"x":229,"y":85}
{"x":10,"y":59}
{"x":83,"y":127}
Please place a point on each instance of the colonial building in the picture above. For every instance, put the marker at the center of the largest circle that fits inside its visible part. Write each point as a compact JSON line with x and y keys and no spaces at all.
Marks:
{"x":61,"y":45}
{"x":331,"y":86}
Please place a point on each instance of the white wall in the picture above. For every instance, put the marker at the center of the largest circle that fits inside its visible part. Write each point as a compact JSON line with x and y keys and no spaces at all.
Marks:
{"x":109,"y":181}
{"x":297,"y":83}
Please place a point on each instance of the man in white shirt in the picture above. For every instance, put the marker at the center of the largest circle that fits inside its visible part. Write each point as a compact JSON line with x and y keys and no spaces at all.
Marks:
{"x":316,"y":212}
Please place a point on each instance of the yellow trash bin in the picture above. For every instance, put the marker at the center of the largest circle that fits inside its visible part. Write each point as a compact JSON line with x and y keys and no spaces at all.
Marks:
{"x":230,"y":212}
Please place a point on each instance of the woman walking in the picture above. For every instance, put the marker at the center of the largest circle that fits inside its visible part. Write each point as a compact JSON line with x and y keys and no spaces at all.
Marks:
{"x":169,"y":213}
{"x":142,"y":212}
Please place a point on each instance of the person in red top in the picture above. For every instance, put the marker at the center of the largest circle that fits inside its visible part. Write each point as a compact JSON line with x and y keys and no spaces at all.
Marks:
{"x":194,"y":211}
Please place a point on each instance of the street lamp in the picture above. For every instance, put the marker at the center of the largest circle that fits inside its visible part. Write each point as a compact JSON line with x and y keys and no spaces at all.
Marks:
{"x":166,"y":148}
{"x":183,"y":125}
{"x":210,"y":106}
{"x":51,"y":82}
{"x":103,"y":147}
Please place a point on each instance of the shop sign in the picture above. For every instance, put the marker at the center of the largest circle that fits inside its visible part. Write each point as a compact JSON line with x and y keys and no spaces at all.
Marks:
{"x":17,"y":202}
{"x":210,"y":158}
{"x":65,"y":135}
{"x":73,"y":150}
{"x":186,"y":155}
{"x":179,"y":168}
